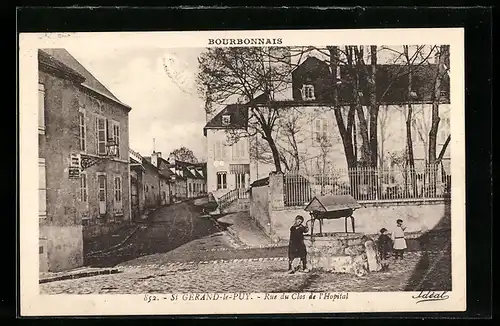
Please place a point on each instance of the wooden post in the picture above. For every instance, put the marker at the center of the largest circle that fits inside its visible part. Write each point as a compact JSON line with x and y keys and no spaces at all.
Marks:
{"x":312,"y":227}
{"x":321,"y":227}
{"x":352,"y":222}
{"x":345,"y":224}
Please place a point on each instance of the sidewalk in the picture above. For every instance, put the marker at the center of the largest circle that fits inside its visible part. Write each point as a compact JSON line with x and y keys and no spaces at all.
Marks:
{"x":242,"y":227}
{"x":46,"y":277}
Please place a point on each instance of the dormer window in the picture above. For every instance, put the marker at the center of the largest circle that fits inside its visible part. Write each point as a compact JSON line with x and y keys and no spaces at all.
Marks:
{"x":308,"y":92}
{"x":226,"y":120}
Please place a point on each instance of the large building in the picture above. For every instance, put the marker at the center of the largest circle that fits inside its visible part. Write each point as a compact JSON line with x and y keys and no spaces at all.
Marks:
{"x":228,"y":160}
{"x":83,"y":159}
{"x":309,"y":126}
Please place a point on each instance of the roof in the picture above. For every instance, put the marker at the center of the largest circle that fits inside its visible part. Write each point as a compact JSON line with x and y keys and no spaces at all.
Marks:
{"x":238,"y":118}
{"x":330,"y":203}
{"x":47,"y":61}
{"x":92,"y":83}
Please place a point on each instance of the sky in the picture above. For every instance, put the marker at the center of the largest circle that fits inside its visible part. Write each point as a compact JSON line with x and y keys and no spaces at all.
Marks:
{"x":170,"y":112}
{"x":165,"y":106}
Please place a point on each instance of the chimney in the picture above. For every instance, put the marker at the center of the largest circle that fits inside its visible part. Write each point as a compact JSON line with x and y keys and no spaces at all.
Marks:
{"x":154,"y":158}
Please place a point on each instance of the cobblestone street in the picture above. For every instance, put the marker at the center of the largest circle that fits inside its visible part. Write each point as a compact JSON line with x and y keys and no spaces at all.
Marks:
{"x":179,"y":251}
{"x":259,"y":275}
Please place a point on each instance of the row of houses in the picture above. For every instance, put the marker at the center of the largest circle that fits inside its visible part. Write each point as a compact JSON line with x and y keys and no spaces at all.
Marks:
{"x":316,"y":136}
{"x":90,"y":182}
{"x":156,"y":181}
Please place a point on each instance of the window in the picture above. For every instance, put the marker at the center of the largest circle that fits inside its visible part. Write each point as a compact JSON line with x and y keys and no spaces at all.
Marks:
{"x":221,"y":180}
{"x":82,"y":130}
{"x":308,"y":92}
{"x":114,"y":134}
{"x":42,"y":189}
{"x":118,"y":203}
{"x":101,"y":131}
{"x":240,"y":180}
{"x":226,"y":120}
{"x":83,"y":188}
{"x":240,"y":150}
{"x":190,"y":188}
{"x":101,"y":181}
{"x":220,"y":150}
{"x":320,"y":132}
{"x":116,"y":137}
{"x":41,"y":109}
{"x":118,"y":189}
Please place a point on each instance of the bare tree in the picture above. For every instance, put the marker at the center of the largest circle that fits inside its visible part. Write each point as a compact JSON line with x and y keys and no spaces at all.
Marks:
{"x":245,"y":73}
{"x":443,"y":66}
{"x":384,"y":133}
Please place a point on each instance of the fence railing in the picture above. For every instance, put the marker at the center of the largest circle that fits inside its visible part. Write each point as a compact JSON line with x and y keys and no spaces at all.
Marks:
{"x":229,"y":197}
{"x":369,"y":184}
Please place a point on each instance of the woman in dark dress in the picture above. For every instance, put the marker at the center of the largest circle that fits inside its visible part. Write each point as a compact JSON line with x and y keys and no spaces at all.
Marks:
{"x":296,"y":246}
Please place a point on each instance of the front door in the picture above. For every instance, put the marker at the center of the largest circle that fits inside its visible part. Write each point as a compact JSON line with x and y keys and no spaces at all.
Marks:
{"x":240,"y":180}
{"x":101,"y":179}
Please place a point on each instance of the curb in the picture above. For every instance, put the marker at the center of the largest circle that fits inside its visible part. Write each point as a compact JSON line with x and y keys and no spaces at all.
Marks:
{"x":274,"y":245}
{"x":208,"y":262}
{"x":91,"y":254}
{"x":221,"y":261}
{"x":78,"y":275}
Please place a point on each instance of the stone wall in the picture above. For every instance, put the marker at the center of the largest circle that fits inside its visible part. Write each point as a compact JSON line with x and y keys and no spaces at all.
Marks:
{"x":417,"y":215}
{"x":343,"y":253}
{"x":64,"y":246}
{"x":259,"y":207}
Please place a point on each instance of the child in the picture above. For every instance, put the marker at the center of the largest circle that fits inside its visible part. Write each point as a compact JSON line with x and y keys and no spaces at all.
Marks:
{"x":384,"y":246}
{"x":296,"y":246}
{"x":398,"y":237}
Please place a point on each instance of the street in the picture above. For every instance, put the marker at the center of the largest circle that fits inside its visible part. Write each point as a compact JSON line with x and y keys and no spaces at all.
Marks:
{"x":180,"y":251}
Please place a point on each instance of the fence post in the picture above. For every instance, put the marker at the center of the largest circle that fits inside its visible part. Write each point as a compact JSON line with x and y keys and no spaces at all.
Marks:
{"x":276,"y":193}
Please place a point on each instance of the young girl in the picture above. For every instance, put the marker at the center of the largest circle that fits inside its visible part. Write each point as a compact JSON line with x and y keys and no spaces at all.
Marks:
{"x":296,"y":246}
{"x":398,"y":238}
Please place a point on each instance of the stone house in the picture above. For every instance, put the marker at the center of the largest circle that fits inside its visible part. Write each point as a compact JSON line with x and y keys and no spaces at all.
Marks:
{"x":83,"y":192}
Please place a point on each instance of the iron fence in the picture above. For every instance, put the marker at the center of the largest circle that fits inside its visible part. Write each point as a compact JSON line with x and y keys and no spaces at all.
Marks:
{"x":367,"y":184}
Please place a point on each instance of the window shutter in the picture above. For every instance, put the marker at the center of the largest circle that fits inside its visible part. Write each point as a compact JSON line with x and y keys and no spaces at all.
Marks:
{"x":109,"y":132}
{"x":96,"y":134}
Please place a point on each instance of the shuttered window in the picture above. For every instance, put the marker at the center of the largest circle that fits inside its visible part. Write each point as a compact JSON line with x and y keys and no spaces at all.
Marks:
{"x":41,"y":108}
{"x":42,"y":189}
{"x":101,"y":132}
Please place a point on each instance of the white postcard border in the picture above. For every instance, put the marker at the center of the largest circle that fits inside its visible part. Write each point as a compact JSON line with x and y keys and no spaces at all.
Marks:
{"x":32,"y":303}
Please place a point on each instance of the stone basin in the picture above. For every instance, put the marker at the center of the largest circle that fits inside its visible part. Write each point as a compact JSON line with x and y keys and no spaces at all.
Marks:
{"x":351,"y":253}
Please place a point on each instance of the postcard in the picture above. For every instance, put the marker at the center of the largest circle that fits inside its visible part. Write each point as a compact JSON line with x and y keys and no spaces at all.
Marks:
{"x":242,"y":172}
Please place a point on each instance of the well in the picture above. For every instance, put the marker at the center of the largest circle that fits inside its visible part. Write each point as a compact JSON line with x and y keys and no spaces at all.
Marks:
{"x":351,"y":253}
{"x":339,"y":252}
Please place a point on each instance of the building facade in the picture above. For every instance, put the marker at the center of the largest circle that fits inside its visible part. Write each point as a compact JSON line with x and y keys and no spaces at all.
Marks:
{"x":308,"y":135}
{"x":137,"y":190}
{"x":228,"y":160}
{"x":82,"y":191}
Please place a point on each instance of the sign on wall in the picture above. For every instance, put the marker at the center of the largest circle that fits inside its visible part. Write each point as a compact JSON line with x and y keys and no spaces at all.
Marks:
{"x":74,"y":166}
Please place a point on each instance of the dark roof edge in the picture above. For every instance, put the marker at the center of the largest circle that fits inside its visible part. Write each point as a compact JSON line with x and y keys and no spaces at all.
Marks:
{"x":51,"y":65}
